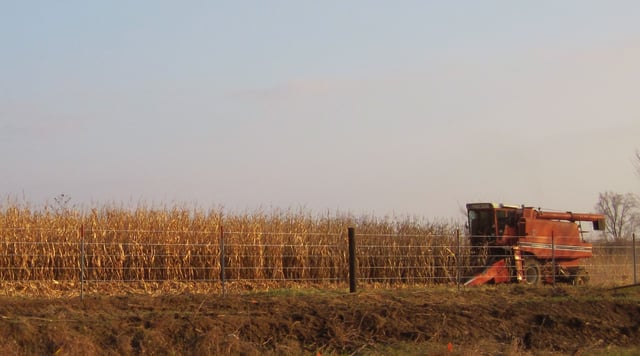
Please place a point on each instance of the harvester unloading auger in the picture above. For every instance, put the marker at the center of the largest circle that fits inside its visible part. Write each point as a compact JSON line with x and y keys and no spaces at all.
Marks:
{"x":528,"y":245}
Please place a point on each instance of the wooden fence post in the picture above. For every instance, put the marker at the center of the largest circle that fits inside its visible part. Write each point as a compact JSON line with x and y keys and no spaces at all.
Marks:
{"x":352,"y":259}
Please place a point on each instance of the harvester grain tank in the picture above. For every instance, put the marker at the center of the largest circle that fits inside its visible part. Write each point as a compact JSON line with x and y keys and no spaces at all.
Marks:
{"x":528,"y":245}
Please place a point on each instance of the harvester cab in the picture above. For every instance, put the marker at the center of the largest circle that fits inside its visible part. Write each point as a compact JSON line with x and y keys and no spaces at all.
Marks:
{"x":491,"y":223}
{"x":524,"y":244}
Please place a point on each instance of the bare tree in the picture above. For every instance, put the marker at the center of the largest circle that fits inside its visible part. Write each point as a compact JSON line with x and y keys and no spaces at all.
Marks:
{"x":621,"y":213}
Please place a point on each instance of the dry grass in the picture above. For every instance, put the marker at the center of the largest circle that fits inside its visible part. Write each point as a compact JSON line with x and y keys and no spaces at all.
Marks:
{"x":612,"y":264}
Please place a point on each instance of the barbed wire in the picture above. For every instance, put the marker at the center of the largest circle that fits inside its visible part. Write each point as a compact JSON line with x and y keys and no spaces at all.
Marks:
{"x":388,"y":258}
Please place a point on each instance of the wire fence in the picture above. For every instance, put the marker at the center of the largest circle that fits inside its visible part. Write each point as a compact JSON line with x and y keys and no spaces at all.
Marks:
{"x":87,"y":257}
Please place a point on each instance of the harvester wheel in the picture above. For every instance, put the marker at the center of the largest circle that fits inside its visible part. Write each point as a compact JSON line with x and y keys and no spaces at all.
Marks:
{"x":580,"y":277}
{"x":532,"y":275}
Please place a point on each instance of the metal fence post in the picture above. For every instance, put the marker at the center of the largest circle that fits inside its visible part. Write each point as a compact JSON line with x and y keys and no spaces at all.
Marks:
{"x":459,"y":266}
{"x":352,"y":259}
{"x":553,"y":257}
{"x":222,"y":263}
{"x":633,"y":250}
{"x":81,"y":261}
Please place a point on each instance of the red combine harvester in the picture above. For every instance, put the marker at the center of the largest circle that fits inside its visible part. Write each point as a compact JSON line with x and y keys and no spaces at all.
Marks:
{"x":528,"y":245}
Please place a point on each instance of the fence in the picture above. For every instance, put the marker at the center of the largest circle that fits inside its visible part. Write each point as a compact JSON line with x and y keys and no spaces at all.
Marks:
{"x":83,"y":258}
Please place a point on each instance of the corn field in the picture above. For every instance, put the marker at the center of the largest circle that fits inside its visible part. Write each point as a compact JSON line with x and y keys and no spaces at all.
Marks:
{"x":183,"y":244}
{"x":257,"y":249}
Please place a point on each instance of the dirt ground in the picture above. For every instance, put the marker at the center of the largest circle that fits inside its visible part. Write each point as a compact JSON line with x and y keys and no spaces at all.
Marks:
{"x":510,"y":320}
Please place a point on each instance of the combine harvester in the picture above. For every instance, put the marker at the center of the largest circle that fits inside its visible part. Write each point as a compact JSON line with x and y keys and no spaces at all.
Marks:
{"x":528,"y":245}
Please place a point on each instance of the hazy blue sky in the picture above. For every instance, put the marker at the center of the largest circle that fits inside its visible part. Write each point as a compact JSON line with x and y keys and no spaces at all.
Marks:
{"x":383,"y":107}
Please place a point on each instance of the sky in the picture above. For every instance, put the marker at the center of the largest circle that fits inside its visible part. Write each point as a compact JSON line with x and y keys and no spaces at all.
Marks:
{"x":364,"y":107}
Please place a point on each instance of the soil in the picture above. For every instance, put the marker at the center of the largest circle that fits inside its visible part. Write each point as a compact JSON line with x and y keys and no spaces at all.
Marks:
{"x":488,"y":320}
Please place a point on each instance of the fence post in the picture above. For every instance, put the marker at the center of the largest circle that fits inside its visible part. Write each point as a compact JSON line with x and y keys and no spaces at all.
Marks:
{"x":553,"y":257}
{"x":458,"y":258}
{"x":81,"y":261}
{"x":352,"y":259}
{"x":222,"y":264}
{"x":635,"y":277}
